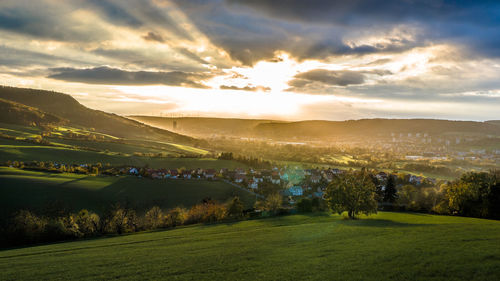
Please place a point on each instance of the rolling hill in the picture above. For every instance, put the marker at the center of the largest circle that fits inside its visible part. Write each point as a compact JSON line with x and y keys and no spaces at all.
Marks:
{"x":309,"y":130}
{"x":66,"y":107}
{"x":34,"y":190}
{"x":20,"y":114}
{"x":386,"y":246}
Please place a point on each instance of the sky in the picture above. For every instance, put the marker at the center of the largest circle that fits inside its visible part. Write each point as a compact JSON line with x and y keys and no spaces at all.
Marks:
{"x":289,"y":59}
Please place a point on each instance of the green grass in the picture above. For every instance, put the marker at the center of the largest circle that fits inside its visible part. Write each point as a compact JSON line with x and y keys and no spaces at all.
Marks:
{"x":24,"y":151}
{"x":36,"y":190}
{"x":387,"y":246}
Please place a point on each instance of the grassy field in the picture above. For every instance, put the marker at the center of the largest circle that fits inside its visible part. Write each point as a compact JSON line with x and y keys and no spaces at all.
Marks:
{"x":36,"y":190}
{"x":24,"y":151}
{"x":387,"y":246}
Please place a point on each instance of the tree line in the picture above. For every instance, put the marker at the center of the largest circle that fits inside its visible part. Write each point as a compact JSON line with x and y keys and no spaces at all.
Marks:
{"x":474,"y":194}
{"x":26,"y":227}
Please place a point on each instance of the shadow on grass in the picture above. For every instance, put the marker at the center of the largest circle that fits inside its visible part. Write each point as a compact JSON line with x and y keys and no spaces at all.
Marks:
{"x":378,"y":223}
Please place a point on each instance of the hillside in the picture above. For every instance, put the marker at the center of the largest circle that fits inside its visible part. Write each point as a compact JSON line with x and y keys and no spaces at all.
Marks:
{"x":387,"y":246}
{"x":200,"y":126}
{"x":65,"y":106}
{"x":374,"y":127}
{"x":19,"y":114}
{"x":33,"y":190}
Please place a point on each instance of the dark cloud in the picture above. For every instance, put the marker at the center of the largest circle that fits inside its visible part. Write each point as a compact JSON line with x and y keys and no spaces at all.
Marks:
{"x":369,"y":11}
{"x":150,"y":59}
{"x":253,"y":30}
{"x":246,"y":88}
{"x":112,"y":76}
{"x":152,"y":36}
{"x":328,"y":77}
{"x":137,"y":14}
{"x":13,"y":57}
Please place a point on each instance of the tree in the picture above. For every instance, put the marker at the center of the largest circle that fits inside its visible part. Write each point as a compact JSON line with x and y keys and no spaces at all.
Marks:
{"x":235,"y":208}
{"x":271,"y":204}
{"x":390,"y":192}
{"x":353,"y":192}
{"x":154,"y":217}
{"x":305,"y":206}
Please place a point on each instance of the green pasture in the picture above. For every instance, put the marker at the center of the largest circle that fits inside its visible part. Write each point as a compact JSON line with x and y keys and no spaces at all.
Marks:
{"x":21,"y":189}
{"x":387,"y":246}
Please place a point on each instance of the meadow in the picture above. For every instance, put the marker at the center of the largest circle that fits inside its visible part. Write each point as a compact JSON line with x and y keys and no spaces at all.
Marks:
{"x":386,"y":246}
{"x":14,"y":150}
{"x":38,"y":190}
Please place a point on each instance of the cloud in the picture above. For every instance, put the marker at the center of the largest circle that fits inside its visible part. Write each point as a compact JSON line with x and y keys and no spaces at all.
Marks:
{"x":253,"y":30}
{"x":152,"y":36}
{"x":246,"y":88}
{"x":328,"y":77}
{"x":112,"y":76}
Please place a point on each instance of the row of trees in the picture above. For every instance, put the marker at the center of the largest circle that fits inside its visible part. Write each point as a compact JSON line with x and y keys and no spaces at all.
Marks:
{"x":27,"y":227}
{"x":474,"y":194}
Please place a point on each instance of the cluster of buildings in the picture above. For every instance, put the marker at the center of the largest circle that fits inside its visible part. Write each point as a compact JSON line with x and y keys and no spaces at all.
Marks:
{"x":292,"y":182}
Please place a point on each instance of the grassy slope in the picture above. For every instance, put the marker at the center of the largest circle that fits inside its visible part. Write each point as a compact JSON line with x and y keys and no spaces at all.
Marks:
{"x":67,"y":107}
{"x":24,"y":151}
{"x":388,"y":246}
{"x":17,"y":113}
{"x":30,"y":189}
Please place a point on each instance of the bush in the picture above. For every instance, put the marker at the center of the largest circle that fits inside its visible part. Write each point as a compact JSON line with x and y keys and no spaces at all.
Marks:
{"x":304,"y":206}
{"x":154,"y":218}
{"x":235,"y":208}
{"x":176,"y":217}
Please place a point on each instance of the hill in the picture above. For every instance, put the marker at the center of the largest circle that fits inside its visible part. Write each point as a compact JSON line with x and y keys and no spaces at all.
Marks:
{"x":16,"y":113}
{"x":387,"y":246}
{"x":309,"y":130}
{"x":375,"y":128}
{"x":204,"y":127}
{"x":35,"y":190}
{"x":65,"y":106}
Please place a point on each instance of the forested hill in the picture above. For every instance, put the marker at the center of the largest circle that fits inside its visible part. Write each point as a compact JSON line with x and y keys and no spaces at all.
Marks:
{"x":20,"y":114}
{"x":66,"y":107}
{"x":376,"y":127}
{"x":200,"y":126}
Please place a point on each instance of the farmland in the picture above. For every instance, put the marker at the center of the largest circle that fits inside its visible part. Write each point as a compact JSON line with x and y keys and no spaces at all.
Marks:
{"x":36,"y":190}
{"x":386,"y":246}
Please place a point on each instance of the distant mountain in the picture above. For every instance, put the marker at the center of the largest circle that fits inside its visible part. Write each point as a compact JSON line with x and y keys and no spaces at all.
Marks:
{"x":20,"y":114}
{"x":200,"y":126}
{"x":66,"y":107}
{"x":374,"y":128}
{"x":310,"y":130}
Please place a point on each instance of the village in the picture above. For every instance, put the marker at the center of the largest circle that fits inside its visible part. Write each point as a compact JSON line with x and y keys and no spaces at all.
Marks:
{"x":291,"y":182}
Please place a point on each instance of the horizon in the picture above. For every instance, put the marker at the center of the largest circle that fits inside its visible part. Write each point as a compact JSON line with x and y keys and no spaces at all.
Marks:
{"x":258,"y":59}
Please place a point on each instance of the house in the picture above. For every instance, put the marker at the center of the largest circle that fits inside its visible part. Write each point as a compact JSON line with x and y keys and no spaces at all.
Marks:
{"x":133,"y":171}
{"x":415,"y":179}
{"x":295,"y":190}
{"x":238,"y":178}
{"x":382,"y":176}
{"x":240,"y":171}
{"x":266,"y":175}
{"x":284,"y":175}
{"x":275,"y":179}
{"x":257,"y":178}
{"x":253,"y":184}
{"x":187,"y":174}
{"x":209,"y":174}
{"x":173,"y":174}
{"x":336,"y":171}
{"x":315,"y":178}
